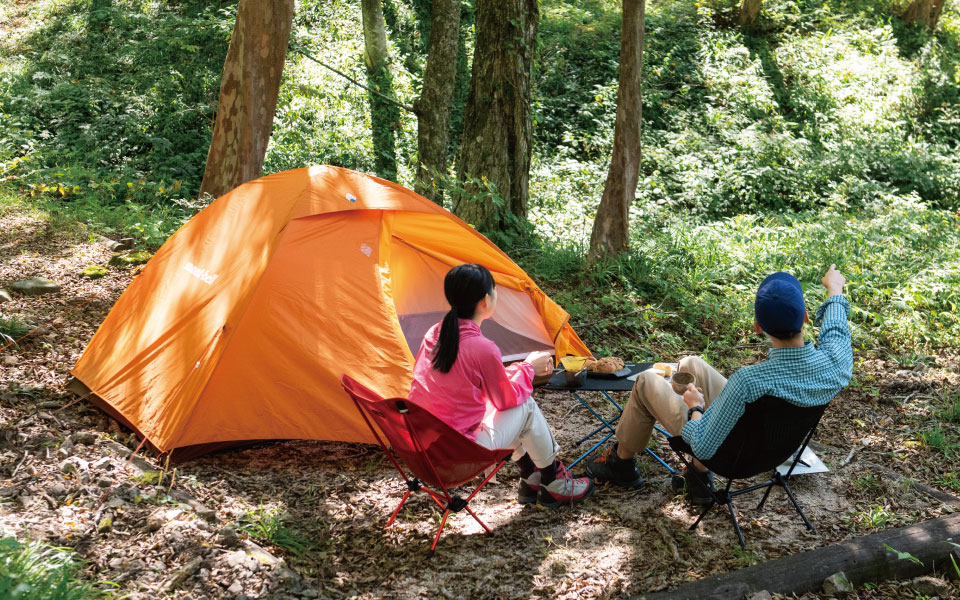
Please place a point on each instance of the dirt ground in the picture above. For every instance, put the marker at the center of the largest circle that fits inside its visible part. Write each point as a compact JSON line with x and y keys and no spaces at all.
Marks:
{"x":322,"y":506}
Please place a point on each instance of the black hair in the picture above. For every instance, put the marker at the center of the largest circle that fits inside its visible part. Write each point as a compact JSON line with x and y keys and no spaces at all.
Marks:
{"x":464,"y":286}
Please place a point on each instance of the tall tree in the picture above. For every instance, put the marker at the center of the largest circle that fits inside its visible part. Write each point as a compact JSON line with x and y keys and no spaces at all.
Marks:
{"x":384,"y":115}
{"x":248,"y":94}
{"x":497,"y":134}
{"x":436,"y":99}
{"x":749,"y":11}
{"x":924,"y":12}
{"x":611,"y":226}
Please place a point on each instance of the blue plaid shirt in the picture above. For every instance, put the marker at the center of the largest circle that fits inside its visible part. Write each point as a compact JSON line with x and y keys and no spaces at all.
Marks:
{"x":806,"y":376}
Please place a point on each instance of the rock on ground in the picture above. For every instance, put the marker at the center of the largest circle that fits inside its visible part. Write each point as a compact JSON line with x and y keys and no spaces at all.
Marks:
{"x":35,"y":286}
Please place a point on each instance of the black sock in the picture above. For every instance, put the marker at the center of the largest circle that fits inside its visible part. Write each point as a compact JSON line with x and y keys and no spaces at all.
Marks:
{"x":526,"y":466}
{"x":548,"y":474}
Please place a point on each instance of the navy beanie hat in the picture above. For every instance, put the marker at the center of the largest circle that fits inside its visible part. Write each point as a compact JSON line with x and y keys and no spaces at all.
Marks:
{"x":779,"y":307}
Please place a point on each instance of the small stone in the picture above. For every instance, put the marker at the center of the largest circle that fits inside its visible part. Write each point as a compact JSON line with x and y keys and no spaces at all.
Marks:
{"x":66,"y":449}
{"x":129,"y":259}
{"x":83,"y":437}
{"x":837,"y":584}
{"x":288,"y":579}
{"x":228,"y":537}
{"x":104,"y":482}
{"x":763,"y":595}
{"x":309,"y":593}
{"x":235,"y":587}
{"x":103,"y":464}
{"x":5,"y":296}
{"x":116,"y":502}
{"x":105,"y":524}
{"x":207,"y":514}
{"x":35,"y":286}
{"x":10,"y":360}
{"x":931,"y":586}
{"x":94,"y":271}
{"x":74,"y":464}
{"x":57,"y":490}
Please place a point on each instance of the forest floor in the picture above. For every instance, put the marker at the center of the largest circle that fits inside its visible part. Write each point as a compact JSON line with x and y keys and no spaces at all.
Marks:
{"x":305,"y":519}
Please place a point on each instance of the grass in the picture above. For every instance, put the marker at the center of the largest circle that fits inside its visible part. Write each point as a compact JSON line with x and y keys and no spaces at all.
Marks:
{"x":35,"y":571}
{"x":940,"y":440}
{"x":12,"y":328}
{"x":269,"y":525}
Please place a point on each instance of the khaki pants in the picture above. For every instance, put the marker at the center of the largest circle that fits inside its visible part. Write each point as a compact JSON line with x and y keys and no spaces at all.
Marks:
{"x":653,"y":399}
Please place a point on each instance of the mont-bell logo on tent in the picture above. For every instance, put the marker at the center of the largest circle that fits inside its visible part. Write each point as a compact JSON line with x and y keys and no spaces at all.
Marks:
{"x":202,"y":274}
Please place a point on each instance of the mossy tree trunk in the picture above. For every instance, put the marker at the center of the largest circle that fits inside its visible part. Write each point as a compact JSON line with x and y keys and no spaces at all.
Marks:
{"x":611,"y":227}
{"x":497,"y":134}
{"x":248,"y":94}
{"x":924,"y":12}
{"x":436,"y":99}
{"x":749,"y":11}
{"x":384,"y":114}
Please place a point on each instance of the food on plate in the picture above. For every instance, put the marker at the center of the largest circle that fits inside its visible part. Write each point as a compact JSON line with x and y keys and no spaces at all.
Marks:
{"x":663,"y":369}
{"x":607,"y":364}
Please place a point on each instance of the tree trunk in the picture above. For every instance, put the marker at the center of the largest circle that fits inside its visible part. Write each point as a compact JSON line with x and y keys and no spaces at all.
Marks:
{"x":436,"y":99}
{"x":925,"y":12}
{"x":864,"y":559}
{"x":611,"y":226}
{"x":749,"y":10}
{"x":383,"y":114}
{"x":248,"y":94}
{"x":495,"y":153}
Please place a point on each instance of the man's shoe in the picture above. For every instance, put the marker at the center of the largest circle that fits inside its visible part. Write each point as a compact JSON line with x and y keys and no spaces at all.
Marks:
{"x":565,"y":489}
{"x":608,"y":467}
{"x":529,"y":488}
{"x":698,"y":486}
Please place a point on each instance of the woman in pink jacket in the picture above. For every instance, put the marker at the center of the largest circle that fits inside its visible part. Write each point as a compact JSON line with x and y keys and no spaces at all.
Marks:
{"x":459,"y":376}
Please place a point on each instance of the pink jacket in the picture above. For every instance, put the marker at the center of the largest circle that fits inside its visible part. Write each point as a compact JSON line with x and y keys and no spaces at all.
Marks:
{"x":477,"y":378}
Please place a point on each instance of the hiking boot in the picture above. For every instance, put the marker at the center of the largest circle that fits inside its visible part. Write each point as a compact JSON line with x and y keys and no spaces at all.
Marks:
{"x":529,"y":488}
{"x":608,"y":467}
{"x":698,"y":486}
{"x":565,"y":489}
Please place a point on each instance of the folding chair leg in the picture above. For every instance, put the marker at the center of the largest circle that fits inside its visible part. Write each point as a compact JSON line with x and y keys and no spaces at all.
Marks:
{"x":393,"y":517}
{"x":766,"y":495}
{"x":736,"y":523}
{"x":474,"y":515}
{"x":443,"y":522}
{"x":806,"y":521}
{"x":703,"y":514}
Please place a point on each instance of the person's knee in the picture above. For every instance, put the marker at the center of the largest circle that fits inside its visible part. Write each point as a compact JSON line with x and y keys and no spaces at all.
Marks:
{"x":688,"y":363}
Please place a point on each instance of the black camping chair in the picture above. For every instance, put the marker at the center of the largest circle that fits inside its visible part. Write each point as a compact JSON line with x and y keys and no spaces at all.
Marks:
{"x":770,"y":431}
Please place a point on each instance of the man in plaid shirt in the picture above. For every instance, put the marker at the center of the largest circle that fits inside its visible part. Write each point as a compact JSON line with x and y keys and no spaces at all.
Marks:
{"x":704,"y":415}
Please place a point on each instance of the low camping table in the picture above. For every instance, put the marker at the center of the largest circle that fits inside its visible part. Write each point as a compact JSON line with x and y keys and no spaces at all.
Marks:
{"x":604,"y":386}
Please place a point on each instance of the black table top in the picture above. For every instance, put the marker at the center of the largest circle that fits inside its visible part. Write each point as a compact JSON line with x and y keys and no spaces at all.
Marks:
{"x":597,"y":384}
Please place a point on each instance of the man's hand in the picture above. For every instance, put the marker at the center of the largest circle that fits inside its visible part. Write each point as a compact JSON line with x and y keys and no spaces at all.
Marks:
{"x":833,"y":281}
{"x":693,"y":396}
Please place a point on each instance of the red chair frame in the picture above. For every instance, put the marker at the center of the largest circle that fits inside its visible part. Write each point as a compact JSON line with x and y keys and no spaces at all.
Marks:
{"x":439,"y":457}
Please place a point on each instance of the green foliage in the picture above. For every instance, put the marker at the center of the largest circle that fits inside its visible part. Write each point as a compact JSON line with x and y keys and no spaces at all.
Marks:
{"x":35,"y":571}
{"x":941,"y":440}
{"x":12,"y":328}
{"x":904,"y":555}
{"x":268,"y":524}
{"x":951,"y":412}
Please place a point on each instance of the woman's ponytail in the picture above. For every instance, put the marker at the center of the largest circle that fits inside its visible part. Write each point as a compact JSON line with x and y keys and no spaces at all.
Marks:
{"x":464,"y":287}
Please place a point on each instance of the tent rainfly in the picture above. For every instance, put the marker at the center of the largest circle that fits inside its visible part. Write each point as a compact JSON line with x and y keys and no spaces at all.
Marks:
{"x":239,"y":327}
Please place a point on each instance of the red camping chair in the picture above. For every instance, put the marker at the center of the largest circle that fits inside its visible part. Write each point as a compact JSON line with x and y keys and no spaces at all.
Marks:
{"x":437,"y":455}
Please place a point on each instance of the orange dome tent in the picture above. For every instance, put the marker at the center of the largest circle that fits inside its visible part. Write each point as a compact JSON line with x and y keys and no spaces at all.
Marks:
{"x":240,"y":326}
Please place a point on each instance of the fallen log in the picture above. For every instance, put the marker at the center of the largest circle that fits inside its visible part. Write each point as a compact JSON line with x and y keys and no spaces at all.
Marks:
{"x":862,"y":559}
